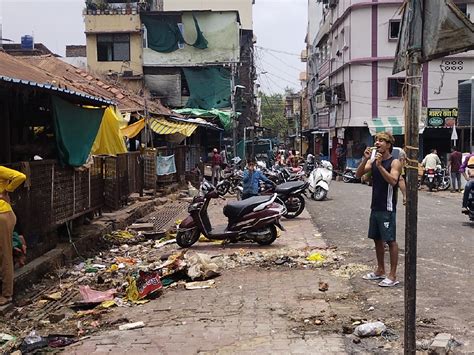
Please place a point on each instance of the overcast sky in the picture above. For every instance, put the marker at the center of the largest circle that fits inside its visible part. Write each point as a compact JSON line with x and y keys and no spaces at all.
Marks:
{"x":279,"y":25}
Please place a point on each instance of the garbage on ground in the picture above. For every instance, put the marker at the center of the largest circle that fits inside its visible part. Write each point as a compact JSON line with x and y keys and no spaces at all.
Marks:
{"x":323,"y":286}
{"x":5,"y":338}
{"x":54,"y":296}
{"x":60,"y":341}
{"x":316,"y":257}
{"x":200,"y":266}
{"x":94,"y":296}
{"x":130,"y":326}
{"x":197,"y":285}
{"x":33,"y":342}
{"x":350,"y":270}
{"x":148,"y":284}
{"x":370,"y":329}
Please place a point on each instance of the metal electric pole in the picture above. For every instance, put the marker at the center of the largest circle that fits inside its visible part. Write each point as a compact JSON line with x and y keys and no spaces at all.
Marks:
{"x":233,"y":114}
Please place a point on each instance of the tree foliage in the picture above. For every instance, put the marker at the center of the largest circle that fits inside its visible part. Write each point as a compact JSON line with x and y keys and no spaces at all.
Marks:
{"x":273,"y":115}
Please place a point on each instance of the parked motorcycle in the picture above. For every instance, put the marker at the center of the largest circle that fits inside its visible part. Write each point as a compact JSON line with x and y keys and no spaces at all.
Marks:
{"x":254,"y":219}
{"x":437,"y":178}
{"x":319,"y":180}
{"x":470,"y":206}
{"x":349,"y":175}
{"x":289,"y":194}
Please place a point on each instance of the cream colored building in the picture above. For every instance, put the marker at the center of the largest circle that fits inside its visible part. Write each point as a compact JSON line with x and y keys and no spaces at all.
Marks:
{"x":244,"y":8}
{"x":114,"y":44}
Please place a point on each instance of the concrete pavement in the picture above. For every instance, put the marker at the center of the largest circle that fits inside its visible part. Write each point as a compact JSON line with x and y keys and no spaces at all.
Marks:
{"x":269,"y":310}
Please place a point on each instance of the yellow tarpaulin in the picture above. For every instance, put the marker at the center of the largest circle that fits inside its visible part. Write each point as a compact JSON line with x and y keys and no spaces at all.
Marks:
{"x":164,"y":126}
{"x":110,"y":139}
{"x":135,"y":128}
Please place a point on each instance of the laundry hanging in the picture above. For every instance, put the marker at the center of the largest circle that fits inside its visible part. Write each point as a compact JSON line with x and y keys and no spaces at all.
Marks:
{"x":110,"y":139}
{"x":75,"y":130}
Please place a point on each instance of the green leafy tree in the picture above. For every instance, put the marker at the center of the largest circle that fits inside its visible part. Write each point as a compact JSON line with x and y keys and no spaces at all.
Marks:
{"x":273,"y":116}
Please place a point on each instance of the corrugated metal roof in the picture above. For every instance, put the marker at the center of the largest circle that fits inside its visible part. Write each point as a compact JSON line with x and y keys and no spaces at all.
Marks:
{"x":54,"y":88}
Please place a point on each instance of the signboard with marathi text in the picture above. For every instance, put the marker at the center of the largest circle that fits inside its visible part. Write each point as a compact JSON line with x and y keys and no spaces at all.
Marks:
{"x":442,"y":117}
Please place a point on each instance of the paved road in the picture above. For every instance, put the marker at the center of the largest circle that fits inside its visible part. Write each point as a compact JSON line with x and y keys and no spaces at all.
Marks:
{"x":445,"y":249}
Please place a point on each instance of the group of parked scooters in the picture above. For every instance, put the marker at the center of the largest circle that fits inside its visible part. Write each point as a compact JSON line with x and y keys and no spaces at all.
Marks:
{"x":254,"y":219}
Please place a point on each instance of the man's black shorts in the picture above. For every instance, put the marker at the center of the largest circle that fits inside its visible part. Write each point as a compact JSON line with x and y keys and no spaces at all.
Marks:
{"x":383,"y":226}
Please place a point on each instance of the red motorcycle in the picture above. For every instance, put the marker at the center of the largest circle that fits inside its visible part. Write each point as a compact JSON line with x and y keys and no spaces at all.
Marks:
{"x":254,"y":219}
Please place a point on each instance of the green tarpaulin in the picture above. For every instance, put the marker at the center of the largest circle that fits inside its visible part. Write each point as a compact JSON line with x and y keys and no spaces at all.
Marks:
{"x":209,"y":88}
{"x":201,"y":42}
{"x":75,"y":129}
{"x":224,"y":117}
{"x":164,"y":35}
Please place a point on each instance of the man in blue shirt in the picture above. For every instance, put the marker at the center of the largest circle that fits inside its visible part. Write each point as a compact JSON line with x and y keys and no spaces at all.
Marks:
{"x":251,"y":180}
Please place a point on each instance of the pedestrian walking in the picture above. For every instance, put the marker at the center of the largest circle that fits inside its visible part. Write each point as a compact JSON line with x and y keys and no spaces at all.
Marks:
{"x":386,"y":172}
{"x":216,"y":162}
{"x":251,"y":180}
{"x":454,"y":164}
{"x":341,"y":157}
{"x":10,"y":180}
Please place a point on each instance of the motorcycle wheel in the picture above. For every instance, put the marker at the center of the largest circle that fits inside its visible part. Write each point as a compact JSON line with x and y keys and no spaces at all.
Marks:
{"x":269,"y":236}
{"x":300,"y":202}
{"x":348,"y":176}
{"x":187,"y":238}
{"x":223,"y":188}
{"x":445,"y":184}
{"x":238,"y":194}
{"x":430,"y":186}
{"x":319,"y":193}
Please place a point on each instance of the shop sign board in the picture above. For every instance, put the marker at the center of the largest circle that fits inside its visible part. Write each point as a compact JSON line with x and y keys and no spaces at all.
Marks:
{"x":442,"y":117}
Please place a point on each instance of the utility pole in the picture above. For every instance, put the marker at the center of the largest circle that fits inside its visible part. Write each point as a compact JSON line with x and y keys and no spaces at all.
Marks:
{"x":233,"y":115}
{"x":301,"y":124}
{"x":472,"y":114}
{"x":412,"y":146}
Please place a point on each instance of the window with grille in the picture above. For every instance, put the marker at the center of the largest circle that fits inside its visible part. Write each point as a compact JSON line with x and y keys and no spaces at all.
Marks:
{"x":394,"y":29}
{"x":395,"y":88}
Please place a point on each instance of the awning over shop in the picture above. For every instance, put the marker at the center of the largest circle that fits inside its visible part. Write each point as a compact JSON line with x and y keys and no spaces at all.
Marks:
{"x":225,"y":117}
{"x":164,"y":126}
{"x":394,"y":125}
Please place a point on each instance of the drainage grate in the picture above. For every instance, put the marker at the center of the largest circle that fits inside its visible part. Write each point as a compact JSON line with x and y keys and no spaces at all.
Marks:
{"x":67,"y":298}
{"x":165,"y":217}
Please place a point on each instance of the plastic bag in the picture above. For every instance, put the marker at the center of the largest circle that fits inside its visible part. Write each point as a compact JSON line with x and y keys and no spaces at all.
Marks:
{"x":370,"y":329}
{"x":200,"y":266}
{"x":93,"y":296}
{"x":316,"y":257}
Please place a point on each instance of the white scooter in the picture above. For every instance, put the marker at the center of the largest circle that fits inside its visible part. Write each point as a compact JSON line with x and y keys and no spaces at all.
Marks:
{"x":319,"y":180}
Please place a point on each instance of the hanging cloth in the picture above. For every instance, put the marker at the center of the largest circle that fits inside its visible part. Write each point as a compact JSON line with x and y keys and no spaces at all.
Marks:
{"x":165,"y":165}
{"x":163,"y":34}
{"x":200,"y":42}
{"x":110,"y":139}
{"x":75,"y":130}
{"x":209,"y":87}
{"x":133,"y":130}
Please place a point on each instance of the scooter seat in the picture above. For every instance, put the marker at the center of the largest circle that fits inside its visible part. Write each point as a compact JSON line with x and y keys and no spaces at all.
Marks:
{"x":237,"y":209}
{"x":288,"y":187}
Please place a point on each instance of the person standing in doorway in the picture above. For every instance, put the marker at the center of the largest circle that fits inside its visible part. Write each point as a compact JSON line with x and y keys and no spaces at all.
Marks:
{"x":216,"y":163}
{"x":386,"y":172}
{"x":10,"y":180}
{"x":454,"y":164}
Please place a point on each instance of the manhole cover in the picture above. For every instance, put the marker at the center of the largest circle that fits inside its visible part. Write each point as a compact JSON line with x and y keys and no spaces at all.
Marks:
{"x":166,"y":216}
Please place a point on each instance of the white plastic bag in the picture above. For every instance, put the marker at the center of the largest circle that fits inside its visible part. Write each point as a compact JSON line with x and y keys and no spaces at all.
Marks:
{"x":200,"y":266}
{"x":370,"y":329}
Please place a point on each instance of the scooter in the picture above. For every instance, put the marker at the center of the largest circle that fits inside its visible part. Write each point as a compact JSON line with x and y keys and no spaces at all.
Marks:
{"x":254,"y":219}
{"x":319,"y":180}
